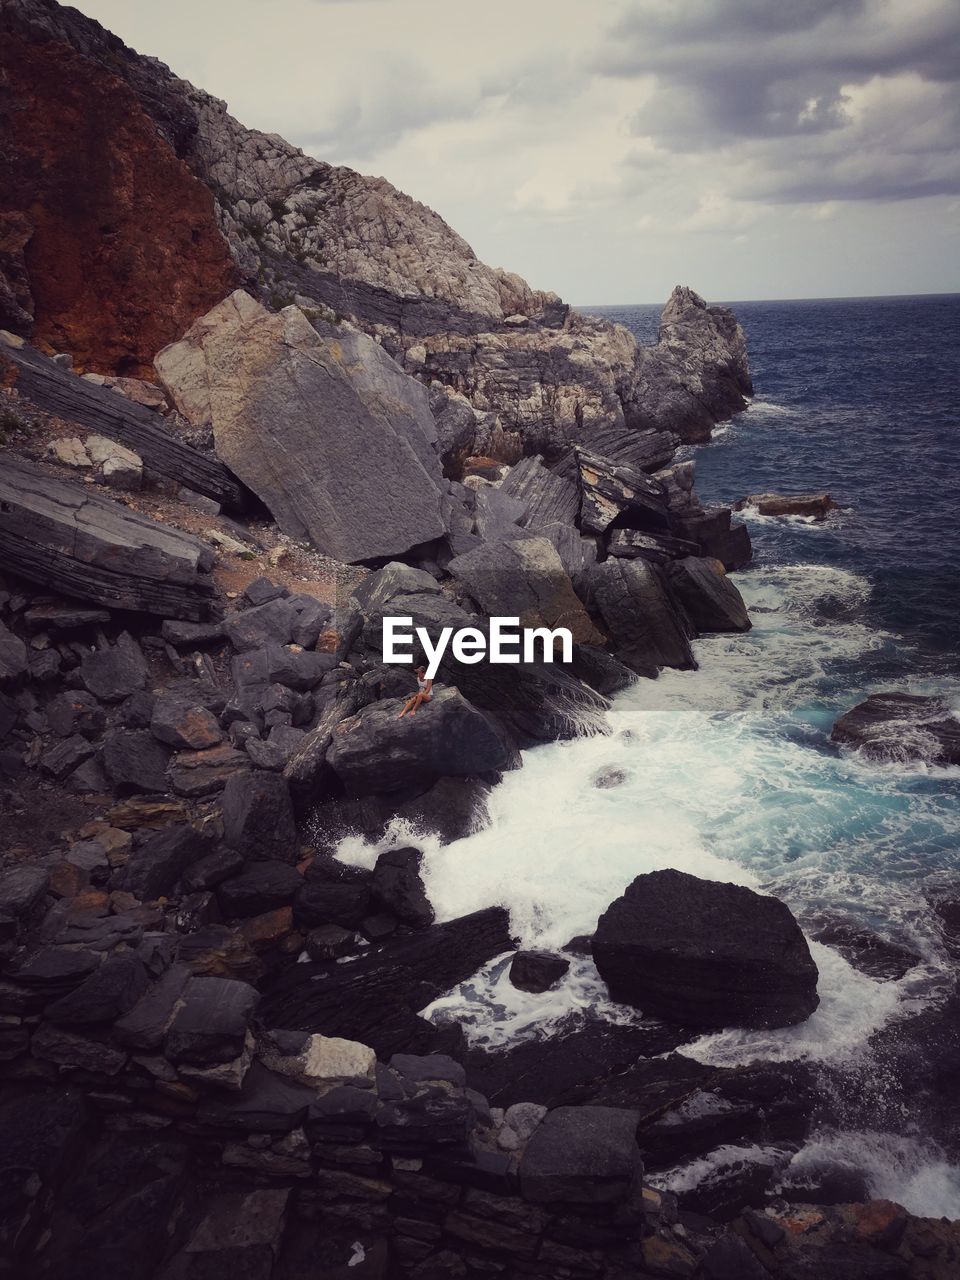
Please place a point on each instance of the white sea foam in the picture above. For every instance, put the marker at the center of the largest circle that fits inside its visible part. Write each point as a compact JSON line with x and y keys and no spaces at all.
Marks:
{"x":772,"y":409}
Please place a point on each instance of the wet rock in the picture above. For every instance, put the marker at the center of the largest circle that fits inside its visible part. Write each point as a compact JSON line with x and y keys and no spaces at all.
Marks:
{"x":582,"y":1155}
{"x":262,"y":886}
{"x":114,"y":673}
{"x":156,"y":867}
{"x":710,"y":599}
{"x":647,"y":629}
{"x":817,"y":506}
{"x":537,"y":971}
{"x":211,"y":1025}
{"x":332,"y":902}
{"x":135,"y":761}
{"x":705,"y":954}
{"x":866,"y":951}
{"x":182,"y":722}
{"x":329,"y":942}
{"x":398,"y":888}
{"x":901,"y":726}
{"x":258,"y":818}
{"x":375,"y":751}
{"x":717,"y":538}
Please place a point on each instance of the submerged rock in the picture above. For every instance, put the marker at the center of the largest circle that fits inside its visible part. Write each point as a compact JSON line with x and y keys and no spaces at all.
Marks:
{"x":901,"y":726}
{"x":705,"y":954}
{"x":816,"y":505}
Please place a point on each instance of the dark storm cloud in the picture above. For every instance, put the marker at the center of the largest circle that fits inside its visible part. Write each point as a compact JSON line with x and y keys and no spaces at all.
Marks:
{"x":774,"y":83}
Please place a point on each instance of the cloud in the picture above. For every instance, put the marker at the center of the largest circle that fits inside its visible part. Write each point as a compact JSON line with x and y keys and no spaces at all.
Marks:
{"x":813,"y":100}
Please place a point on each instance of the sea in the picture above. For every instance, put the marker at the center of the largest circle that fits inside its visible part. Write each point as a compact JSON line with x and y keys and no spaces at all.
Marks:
{"x":729,"y":772}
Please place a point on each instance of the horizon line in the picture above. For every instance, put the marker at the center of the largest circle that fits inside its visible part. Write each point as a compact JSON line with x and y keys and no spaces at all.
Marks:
{"x":827,"y":297}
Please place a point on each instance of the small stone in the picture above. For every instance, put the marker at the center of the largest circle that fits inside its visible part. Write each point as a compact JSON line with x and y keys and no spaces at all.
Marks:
{"x":70,"y":451}
{"x":537,"y":971}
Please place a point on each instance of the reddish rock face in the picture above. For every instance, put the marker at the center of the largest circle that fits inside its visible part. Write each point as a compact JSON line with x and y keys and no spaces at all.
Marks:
{"x":105,"y":235}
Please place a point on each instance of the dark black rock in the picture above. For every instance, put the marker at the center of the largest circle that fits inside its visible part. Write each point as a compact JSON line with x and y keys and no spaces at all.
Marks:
{"x":710,"y":599}
{"x":373,"y":998}
{"x":76,"y":712}
{"x":299,"y":669}
{"x":182,"y":721}
{"x":270,"y":622}
{"x":109,"y":992}
{"x":258,"y":817}
{"x":262,"y":886}
{"x":144,"y":1026}
{"x":375,"y":751}
{"x":866,"y":951}
{"x":647,"y":628}
{"x":331,"y":902}
{"x":537,"y":971}
{"x":329,"y":942}
{"x":22,"y":889}
{"x":730,"y":1258}
{"x":54,"y":970}
{"x":211,"y":1025}
{"x":379,"y":926}
{"x":155,"y":868}
{"x":265,"y":1103}
{"x":136,"y":712}
{"x":192,"y":635}
{"x":312,"y":617}
{"x":582,"y":1155}
{"x":135,"y":761}
{"x":65,"y":756}
{"x":901,"y":726}
{"x":207,"y":872}
{"x":262,"y":590}
{"x":113,"y":674}
{"x":426,"y":1068}
{"x":89,"y":778}
{"x":397,"y":886}
{"x":705,"y":954}
{"x":14,"y":661}
{"x":716,"y":537}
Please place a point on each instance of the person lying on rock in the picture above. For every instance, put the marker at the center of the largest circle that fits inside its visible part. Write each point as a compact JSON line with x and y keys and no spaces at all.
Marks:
{"x":420,"y":697}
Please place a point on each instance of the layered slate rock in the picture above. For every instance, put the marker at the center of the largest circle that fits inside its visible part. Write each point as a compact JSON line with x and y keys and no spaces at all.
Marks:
{"x":272,"y":388}
{"x":705,"y":954}
{"x":647,"y":629}
{"x":901,"y":726}
{"x":710,"y":599}
{"x":547,"y":498}
{"x":66,"y":536}
{"x":526,"y":580}
{"x":448,"y":737}
{"x":612,"y":491}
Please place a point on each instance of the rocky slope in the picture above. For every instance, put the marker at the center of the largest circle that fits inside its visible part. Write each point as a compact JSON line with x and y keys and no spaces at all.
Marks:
{"x":346,"y":244}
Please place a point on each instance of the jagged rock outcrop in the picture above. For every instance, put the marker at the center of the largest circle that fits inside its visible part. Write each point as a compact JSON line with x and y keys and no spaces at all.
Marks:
{"x":109,"y":245}
{"x":357,"y":248}
{"x":328,"y":431}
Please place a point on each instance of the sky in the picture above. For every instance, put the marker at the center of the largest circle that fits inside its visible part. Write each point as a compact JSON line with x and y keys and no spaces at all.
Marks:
{"x":610,"y":149}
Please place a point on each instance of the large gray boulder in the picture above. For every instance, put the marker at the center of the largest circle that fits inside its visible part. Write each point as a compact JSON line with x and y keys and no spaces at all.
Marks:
{"x":328,"y":431}
{"x":704,"y":954}
{"x":647,"y":628}
{"x":524,"y":579}
{"x":375,"y":751}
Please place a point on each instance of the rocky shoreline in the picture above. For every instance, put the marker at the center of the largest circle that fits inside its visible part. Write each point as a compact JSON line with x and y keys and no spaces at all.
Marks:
{"x":305,"y":406}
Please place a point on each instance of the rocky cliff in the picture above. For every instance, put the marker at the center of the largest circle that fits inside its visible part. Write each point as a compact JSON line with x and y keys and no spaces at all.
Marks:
{"x":296,"y":228}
